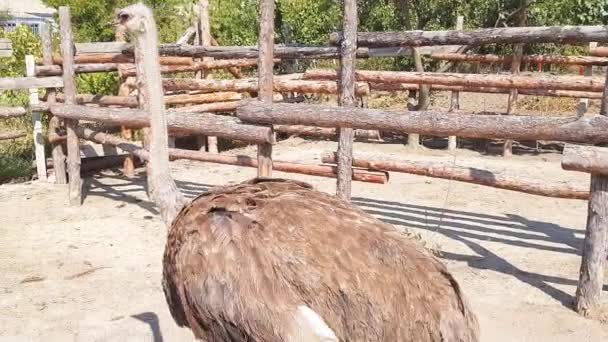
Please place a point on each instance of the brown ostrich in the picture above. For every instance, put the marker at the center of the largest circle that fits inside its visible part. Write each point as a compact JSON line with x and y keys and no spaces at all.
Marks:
{"x":274,"y":260}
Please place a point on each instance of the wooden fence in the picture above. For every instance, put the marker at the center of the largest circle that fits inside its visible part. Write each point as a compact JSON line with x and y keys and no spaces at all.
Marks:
{"x":200,"y":98}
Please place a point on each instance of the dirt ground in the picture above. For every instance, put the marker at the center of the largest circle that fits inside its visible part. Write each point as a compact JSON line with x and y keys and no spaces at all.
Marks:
{"x":93,"y":273}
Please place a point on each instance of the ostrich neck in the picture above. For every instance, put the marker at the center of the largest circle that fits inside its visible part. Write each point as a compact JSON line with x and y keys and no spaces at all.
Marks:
{"x":163,"y":189}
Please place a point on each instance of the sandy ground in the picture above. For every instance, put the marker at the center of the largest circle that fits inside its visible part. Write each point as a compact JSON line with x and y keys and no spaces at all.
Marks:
{"x":93,"y":273}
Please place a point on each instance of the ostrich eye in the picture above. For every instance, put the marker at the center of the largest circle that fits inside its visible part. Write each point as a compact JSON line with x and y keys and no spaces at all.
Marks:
{"x":123,"y":16}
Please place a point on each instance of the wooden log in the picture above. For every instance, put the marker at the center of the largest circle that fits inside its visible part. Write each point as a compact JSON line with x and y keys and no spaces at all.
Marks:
{"x":14,"y":83}
{"x":187,"y":36}
{"x":491,"y":90}
{"x":228,"y":106}
{"x":53,"y":70}
{"x":455,"y":95}
{"x":235,"y":52}
{"x":203,"y":123}
{"x":518,"y":50}
{"x":583,"y":104}
{"x":322,"y":132}
{"x":265,"y":77}
{"x":591,"y":275}
{"x":129,"y":69}
{"x":502,"y":35}
{"x":598,"y":51}
{"x":128,"y":166}
{"x":119,"y":58}
{"x":590,"y":159}
{"x":595,"y":246}
{"x":69,"y":89}
{"x":238,"y":160}
{"x":589,"y":129}
{"x":469,"y":175}
{"x":346,"y":97}
{"x":57,"y":153}
{"x":39,"y":154}
{"x":131,"y":101}
{"x":249,"y":85}
{"x":578,"y":83}
{"x":545,"y":59}
{"x":202,"y":98}
{"x":11,"y":112}
{"x":12,"y":135}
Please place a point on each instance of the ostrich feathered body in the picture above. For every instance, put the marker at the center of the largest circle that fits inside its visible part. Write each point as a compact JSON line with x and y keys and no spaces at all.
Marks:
{"x":240,"y":259}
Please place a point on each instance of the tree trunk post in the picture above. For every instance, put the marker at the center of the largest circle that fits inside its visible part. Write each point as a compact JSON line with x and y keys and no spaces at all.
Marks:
{"x":54,"y":122}
{"x":346,"y":97}
{"x":518,"y":50}
{"x":30,"y":66}
{"x":69,"y":89}
{"x":128,"y":166}
{"x":204,"y":39}
{"x":455,"y":95}
{"x":583,"y":104}
{"x":595,"y":246}
{"x":265,"y":77}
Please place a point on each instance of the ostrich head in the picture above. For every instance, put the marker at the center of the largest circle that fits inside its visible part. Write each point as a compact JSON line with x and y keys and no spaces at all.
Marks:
{"x":134,"y":18}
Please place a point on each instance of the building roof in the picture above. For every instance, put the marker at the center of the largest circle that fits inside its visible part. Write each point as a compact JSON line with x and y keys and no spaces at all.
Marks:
{"x":26,"y":8}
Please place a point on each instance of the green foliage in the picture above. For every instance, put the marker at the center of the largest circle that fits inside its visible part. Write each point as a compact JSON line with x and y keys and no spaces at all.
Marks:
{"x":16,"y":156}
{"x":310,"y":21}
{"x":91,"y":18}
{"x":234,"y":22}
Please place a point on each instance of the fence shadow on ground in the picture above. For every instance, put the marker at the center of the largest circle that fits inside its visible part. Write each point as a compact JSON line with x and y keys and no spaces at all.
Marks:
{"x":124,"y":189}
{"x":469,"y":228}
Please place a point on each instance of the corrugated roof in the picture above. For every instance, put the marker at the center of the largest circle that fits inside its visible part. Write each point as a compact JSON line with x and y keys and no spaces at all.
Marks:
{"x":24,"y":7}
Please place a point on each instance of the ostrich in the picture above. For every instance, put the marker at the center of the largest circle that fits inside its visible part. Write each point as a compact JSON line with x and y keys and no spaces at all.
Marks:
{"x":274,"y":260}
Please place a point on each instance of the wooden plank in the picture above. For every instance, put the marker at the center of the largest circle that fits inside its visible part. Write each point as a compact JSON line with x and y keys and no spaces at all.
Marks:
{"x":14,"y":83}
{"x":588,"y":129}
{"x":265,"y":76}
{"x":30,"y":65}
{"x":67,"y":52}
{"x":346,"y":98}
{"x":546,"y":59}
{"x":502,"y":35}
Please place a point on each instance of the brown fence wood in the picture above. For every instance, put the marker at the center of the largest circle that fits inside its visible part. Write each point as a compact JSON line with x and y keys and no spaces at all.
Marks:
{"x":203,"y":123}
{"x":590,"y":129}
{"x":578,"y":83}
{"x":501,"y":35}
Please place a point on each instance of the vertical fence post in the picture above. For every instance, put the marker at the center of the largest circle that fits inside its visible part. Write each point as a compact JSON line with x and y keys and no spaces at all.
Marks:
{"x":54,"y":122}
{"x":69,"y":89}
{"x":128,"y":166}
{"x":30,"y":71}
{"x":455,"y":95}
{"x":583,"y":104}
{"x":265,"y":67}
{"x":204,"y":39}
{"x":595,"y":245}
{"x":346,"y":98}
{"x":518,"y":50}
